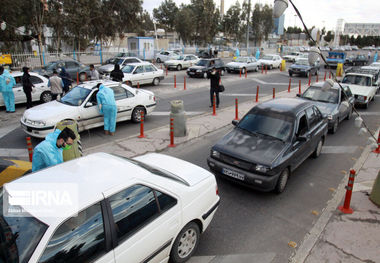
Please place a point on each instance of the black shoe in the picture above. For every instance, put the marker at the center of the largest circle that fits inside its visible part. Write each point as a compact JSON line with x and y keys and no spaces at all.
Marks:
{"x":210,"y":106}
{"x":11,"y":111}
{"x":217,"y":106}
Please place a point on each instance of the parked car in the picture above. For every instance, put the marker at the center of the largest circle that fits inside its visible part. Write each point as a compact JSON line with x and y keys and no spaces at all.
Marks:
{"x":142,"y":73}
{"x":41,"y":89}
{"x":201,"y":68}
{"x":80,"y":104}
{"x":165,"y":55}
{"x":181,"y":62}
{"x":272,"y":61}
{"x":119,"y":55}
{"x":204,"y":54}
{"x":269,"y":143}
{"x":291,"y":57}
{"x":243,"y":64}
{"x":73,"y":67}
{"x":121,"y":61}
{"x":375,"y":64}
{"x":334,"y":103}
{"x":375,"y":72}
{"x":152,"y":208}
{"x":355,"y":60}
{"x":302,"y":67}
{"x":362,"y":86}
{"x":336,"y":57}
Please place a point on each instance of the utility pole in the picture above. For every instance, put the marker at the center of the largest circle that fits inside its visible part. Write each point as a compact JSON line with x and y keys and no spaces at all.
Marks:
{"x":249,"y":10}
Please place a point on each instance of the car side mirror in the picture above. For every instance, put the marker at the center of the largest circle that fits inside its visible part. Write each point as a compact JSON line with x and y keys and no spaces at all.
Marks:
{"x":298,"y":95}
{"x":301,"y":138}
{"x":89,"y":104}
{"x":324,"y":115}
{"x":235,"y":122}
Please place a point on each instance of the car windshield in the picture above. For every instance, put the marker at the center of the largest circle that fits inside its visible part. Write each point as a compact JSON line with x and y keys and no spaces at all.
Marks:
{"x":76,"y":96}
{"x":302,"y":62}
{"x":202,"y":62}
{"x":317,"y":94}
{"x":128,"y":69}
{"x":177,"y":57}
{"x":242,"y":60}
{"x":271,"y":124}
{"x":19,"y":235}
{"x":118,"y":61}
{"x":357,"y":80}
{"x":267,"y":57}
{"x":51,"y":66}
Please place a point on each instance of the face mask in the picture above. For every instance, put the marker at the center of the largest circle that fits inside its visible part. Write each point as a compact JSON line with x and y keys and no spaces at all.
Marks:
{"x":67,"y":147}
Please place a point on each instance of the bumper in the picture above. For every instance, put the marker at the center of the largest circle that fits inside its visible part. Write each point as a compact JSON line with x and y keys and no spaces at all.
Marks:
{"x":161,"y":77}
{"x":36,"y":131}
{"x":233,"y":69}
{"x":263,"y":183}
{"x":297,"y":72}
{"x":195,"y":74}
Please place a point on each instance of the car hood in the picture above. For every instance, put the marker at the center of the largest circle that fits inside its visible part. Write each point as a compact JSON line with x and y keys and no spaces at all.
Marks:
{"x":235,"y":64}
{"x":107,"y":68}
{"x":173,"y":61}
{"x":51,"y":112}
{"x":245,"y":146}
{"x":324,"y":107}
{"x":187,"y":171}
{"x":295,"y":66}
{"x":362,"y":90}
{"x":198,"y":67}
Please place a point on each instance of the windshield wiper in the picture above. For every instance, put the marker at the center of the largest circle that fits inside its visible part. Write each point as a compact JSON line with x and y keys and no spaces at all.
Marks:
{"x":244,"y":129}
{"x":271,"y":136}
{"x":66,"y":102}
{"x":327,"y":101}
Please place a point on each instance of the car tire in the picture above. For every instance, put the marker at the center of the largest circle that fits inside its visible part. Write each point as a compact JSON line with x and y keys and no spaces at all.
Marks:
{"x":156,"y":82}
{"x":136,"y":114}
{"x":205,"y":75}
{"x":334,"y":127}
{"x":46,"y":96}
{"x":179,"y":67}
{"x":222,"y":72}
{"x":366,"y":105}
{"x":307,"y":74}
{"x":270,"y":67}
{"x":282,"y":181}
{"x":257,"y":69}
{"x":318,"y":149}
{"x":185,"y":243}
{"x":349,"y":115}
{"x":82,"y":77}
{"x":158,"y":60}
{"x":290,"y":74}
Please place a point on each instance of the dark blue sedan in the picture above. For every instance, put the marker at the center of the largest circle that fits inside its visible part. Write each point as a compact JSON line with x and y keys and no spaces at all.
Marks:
{"x":302,"y":67}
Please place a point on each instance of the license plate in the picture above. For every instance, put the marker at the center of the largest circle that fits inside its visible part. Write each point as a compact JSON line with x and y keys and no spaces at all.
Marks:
{"x":233,"y":174}
{"x":191,"y":73}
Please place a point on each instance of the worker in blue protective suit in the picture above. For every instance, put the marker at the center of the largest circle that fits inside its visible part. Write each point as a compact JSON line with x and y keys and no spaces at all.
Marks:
{"x":107,"y":106}
{"x":257,"y":55}
{"x":49,"y":152}
{"x":7,"y":82}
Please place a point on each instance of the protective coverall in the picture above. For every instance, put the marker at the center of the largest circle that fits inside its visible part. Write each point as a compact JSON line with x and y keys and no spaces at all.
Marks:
{"x":257,"y":55}
{"x":6,"y":87}
{"x":46,"y":153}
{"x":107,"y":106}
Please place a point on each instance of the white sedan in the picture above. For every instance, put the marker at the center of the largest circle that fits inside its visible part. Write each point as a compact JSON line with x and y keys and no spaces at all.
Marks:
{"x":80,"y":105}
{"x":181,"y":61}
{"x":105,"y":208}
{"x":243,"y":64}
{"x":165,"y":55}
{"x":41,"y":90}
{"x":271,"y":61}
{"x":142,"y":73}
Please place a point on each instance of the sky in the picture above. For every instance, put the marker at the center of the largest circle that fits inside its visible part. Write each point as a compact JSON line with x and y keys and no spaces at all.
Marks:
{"x":319,"y":13}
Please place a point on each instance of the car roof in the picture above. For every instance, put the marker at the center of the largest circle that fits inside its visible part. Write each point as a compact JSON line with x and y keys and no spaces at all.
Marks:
{"x":336,"y":85}
{"x":286,"y":106}
{"x":139,"y":63}
{"x":127,"y":58}
{"x":92,"y":176}
{"x":92,"y":83}
{"x":359,"y":74}
{"x":17,"y":73}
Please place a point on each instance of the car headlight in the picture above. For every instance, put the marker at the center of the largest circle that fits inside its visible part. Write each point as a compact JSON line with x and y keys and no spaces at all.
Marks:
{"x":35,"y":123}
{"x":199,"y":70}
{"x":215,"y":154}
{"x":262,"y":168}
{"x":330,"y":117}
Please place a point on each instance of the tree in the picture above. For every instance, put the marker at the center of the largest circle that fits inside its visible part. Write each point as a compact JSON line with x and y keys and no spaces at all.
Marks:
{"x":262,"y":22}
{"x":56,"y":20}
{"x":293,"y":30}
{"x":184,"y":24}
{"x":329,"y":36}
{"x":165,"y":14}
{"x":232,"y":22}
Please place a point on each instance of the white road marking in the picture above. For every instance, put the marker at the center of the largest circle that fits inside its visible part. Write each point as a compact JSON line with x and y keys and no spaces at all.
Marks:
{"x":167,"y":113}
{"x":339,"y":149}
{"x":242,"y":94}
{"x":5,"y":130}
{"x":241,"y":258}
{"x":269,"y":83}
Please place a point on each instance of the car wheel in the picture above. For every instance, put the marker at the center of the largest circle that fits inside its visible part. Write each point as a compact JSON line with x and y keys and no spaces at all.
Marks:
{"x":156,"y":81}
{"x":243,"y":71}
{"x":46,"y":96}
{"x":205,"y":75}
{"x":366,"y":105}
{"x":290,"y":74}
{"x":307,"y":74}
{"x":318,"y":149}
{"x":185,"y":244}
{"x":158,"y":60}
{"x":82,"y":77}
{"x":282,"y":181}
{"x":257,"y":69}
{"x":334,"y":127}
{"x":179,"y":67}
{"x":270,"y":66}
{"x":222,"y":72}
{"x":349,"y":115}
{"x":136,"y":114}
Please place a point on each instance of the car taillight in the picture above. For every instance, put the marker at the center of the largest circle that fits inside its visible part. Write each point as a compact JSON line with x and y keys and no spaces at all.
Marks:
{"x":216,"y":190}
{"x":365,"y":97}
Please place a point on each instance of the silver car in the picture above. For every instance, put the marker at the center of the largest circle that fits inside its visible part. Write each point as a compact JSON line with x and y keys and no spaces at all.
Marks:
{"x":243,"y":64}
{"x":333,"y":102}
{"x":121,"y":61}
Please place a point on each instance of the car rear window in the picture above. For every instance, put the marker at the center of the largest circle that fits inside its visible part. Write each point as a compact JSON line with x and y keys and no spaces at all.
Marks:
{"x":19,"y":235}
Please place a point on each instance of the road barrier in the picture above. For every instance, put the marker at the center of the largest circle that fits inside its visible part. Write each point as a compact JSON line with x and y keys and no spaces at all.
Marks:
{"x":299,"y":87}
{"x":77,"y":78}
{"x":246,"y":73}
{"x":257,"y":93}
{"x":274,"y":93}
{"x":236,"y":110}
{"x":175,"y":81}
{"x":240,"y":73}
{"x":347,"y":200}
{"x":324,"y":79}
{"x":266,"y":69}
{"x":329,"y":74}
{"x":290,"y":83}
{"x":171,"y":133}
{"x":316,"y":78}
{"x":213,"y":106}
{"x":309,"y":80}
{"x":377,"y":150}
{"x":138,"y":85}
{"x":142,"y":125}
{"x":166,"y":71}
{"x":30,"y":148}
{"x":262,"y":69}
{"x":184,"y":83}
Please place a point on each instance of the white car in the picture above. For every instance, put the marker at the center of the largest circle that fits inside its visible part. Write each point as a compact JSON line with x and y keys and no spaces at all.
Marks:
{"x":152,"y":208}
{"x":41,"y":90}
{"x":142,"y":73}
{"x":181,"y":61}
{"x":375,"y":64}
{"x":361,"y":86}
{"x":121,"y":61}
{"x":165,"y":55}
{"x":243,"y":64}
{"x":292,"y":56}
{"x":271,"y":61}
{"x":80,"y":105}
